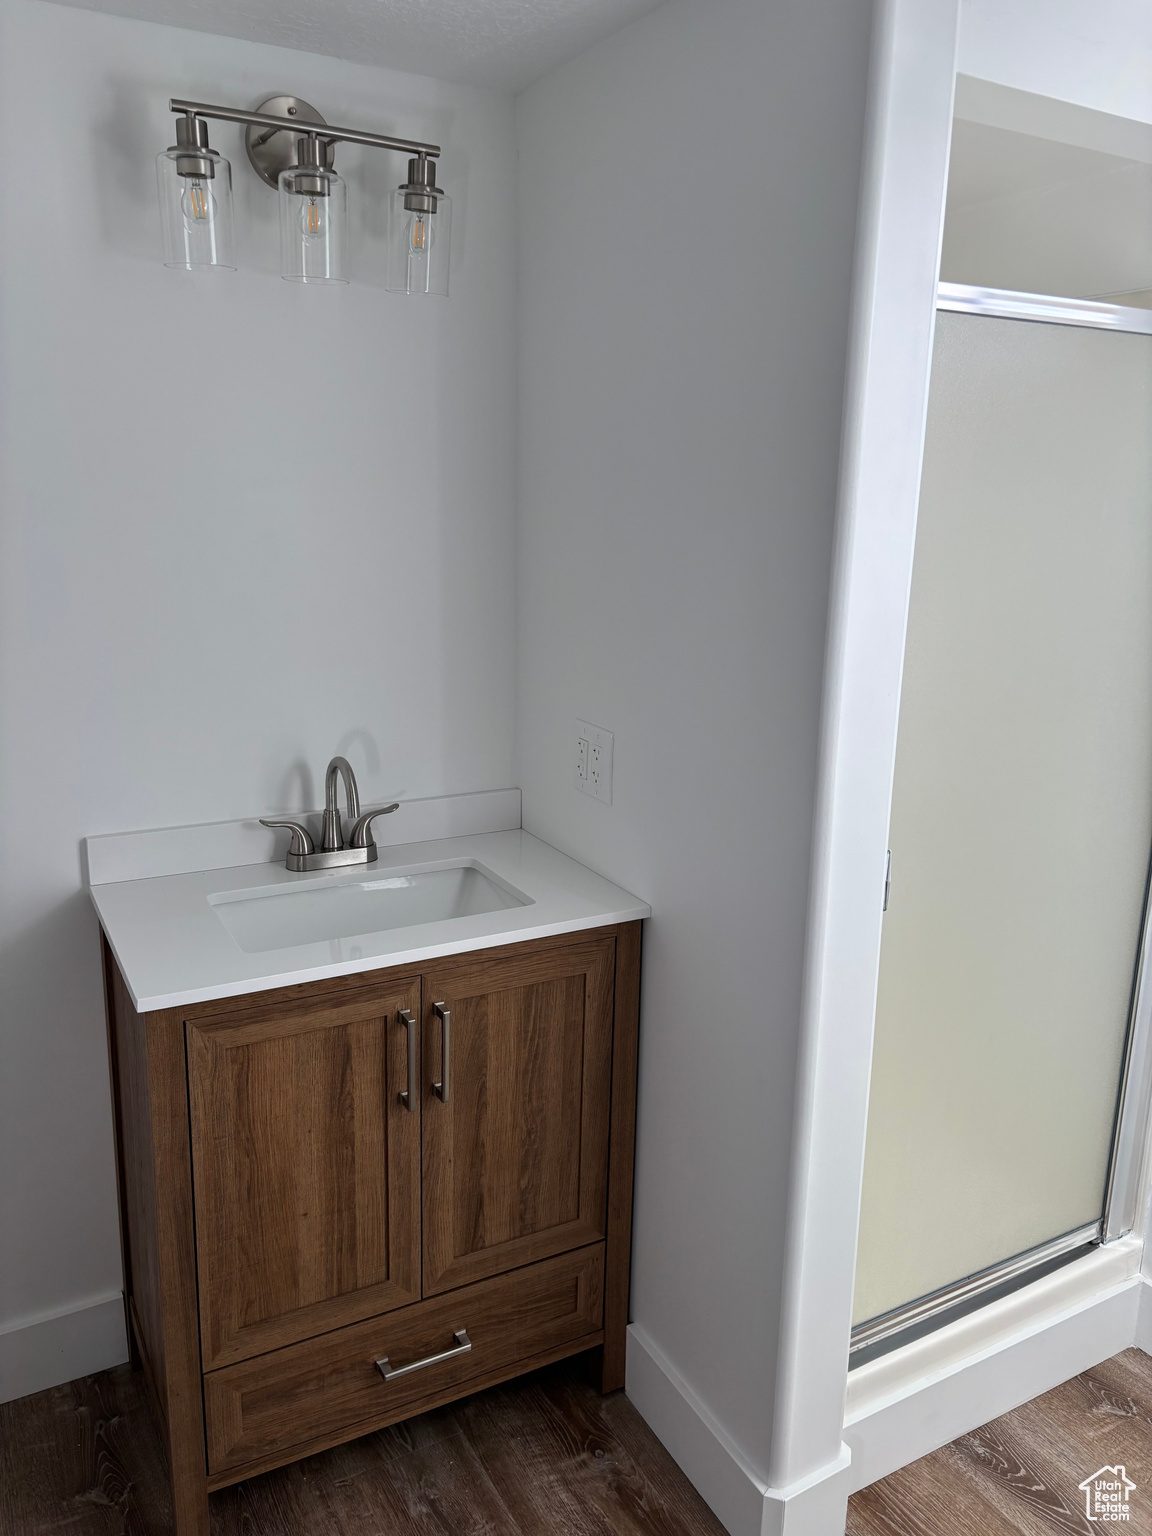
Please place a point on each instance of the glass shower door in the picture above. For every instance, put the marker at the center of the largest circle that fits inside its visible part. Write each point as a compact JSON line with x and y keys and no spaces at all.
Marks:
{"x":1022,"y":807}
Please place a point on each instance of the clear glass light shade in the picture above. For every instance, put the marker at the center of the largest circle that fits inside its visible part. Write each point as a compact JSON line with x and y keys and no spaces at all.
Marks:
{"x":196,"y":210}
{"x":313,"y":226}
{"x":418,"y":246}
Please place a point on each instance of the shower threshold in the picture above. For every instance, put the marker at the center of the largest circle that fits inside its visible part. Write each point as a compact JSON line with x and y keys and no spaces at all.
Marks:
{"x":880,"y":1335}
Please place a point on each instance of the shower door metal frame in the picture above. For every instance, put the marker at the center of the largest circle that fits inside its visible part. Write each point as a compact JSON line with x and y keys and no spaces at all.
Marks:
{"x":1046,"y":309}
{"x":1127,"y":1171}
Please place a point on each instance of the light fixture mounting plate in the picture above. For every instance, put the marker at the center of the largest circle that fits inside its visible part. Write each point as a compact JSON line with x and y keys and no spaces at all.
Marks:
{"x":271,"y":151}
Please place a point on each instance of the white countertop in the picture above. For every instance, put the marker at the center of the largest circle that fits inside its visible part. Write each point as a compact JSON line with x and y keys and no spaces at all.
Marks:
{"x":173,"y":948}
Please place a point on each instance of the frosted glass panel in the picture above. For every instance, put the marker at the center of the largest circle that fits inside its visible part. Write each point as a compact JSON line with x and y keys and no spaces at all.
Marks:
{"x":1022,"y":806}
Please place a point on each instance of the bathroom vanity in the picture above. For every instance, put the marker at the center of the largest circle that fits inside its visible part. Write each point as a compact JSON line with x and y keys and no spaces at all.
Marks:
{"x":362,"y":1176}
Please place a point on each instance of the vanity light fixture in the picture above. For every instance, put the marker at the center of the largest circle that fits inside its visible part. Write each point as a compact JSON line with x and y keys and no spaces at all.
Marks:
{"x":291,"y":147}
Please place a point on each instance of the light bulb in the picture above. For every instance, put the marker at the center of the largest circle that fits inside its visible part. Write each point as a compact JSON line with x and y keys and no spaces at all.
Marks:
{"x":421,"y":234}
{"x":314,"y":218}
{"x":197,"y":203}
{"x":419,"y":237}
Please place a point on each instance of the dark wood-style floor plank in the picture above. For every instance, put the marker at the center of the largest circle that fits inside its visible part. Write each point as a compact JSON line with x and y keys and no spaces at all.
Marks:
{"x":545,"y":1455}
{"x":1014,"y":1474}
{"x":83,"y":1459}
{"x":931,"y":1495}
{"x":1020,"y":1475}
{"x":1121,"y":1388}
{"x":548,"y":1456}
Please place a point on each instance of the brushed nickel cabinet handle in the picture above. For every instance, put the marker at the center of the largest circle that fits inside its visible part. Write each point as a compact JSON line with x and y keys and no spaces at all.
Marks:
{"x":444,"y":1014}
{"x":462,"y":1346}
{"x":410,"y":1096}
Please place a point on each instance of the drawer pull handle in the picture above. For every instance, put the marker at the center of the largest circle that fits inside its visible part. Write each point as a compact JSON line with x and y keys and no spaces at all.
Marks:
{"x":462,"y":1346}
{"x":444,"y":1014}
{"x":410,"y":1096}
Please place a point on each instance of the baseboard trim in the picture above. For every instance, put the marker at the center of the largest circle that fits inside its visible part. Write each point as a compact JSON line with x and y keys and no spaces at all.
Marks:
{"x":720,"y":1472}
{"x":912,"y":1401}
{"x":45,"y":1351}
{"x":1144,"y":1317}
{"x":697,"y":1442}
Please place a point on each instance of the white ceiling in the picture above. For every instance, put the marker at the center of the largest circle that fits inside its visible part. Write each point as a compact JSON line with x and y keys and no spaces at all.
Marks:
{"x":500,"y":43}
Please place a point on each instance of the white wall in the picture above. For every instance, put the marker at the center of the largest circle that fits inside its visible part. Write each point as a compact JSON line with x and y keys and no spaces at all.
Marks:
{"x":245,"y":525}
{"x":1097,"y":53}
{"x":688,"y":196}
{"x":1040,"y":216}
{"x":1050,"y":185}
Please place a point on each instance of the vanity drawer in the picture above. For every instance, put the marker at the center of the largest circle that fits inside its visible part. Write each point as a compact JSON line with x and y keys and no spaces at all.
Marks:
{"x":327,"y":1389}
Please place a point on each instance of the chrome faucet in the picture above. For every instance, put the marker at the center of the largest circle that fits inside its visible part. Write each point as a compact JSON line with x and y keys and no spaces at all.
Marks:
{"x":361,"y":849}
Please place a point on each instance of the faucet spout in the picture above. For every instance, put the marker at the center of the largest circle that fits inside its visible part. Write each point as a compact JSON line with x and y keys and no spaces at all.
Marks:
{"x":338,"y":768}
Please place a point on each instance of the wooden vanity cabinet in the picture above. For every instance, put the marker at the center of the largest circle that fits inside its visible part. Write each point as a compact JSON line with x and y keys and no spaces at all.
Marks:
{"x":305,"y":1169}
{"x":299,"y":1227}
{"x":516,"y":1162}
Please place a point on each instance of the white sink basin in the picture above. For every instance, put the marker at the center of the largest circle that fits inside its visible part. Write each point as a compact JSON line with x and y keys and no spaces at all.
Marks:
{"x":353,"y":906}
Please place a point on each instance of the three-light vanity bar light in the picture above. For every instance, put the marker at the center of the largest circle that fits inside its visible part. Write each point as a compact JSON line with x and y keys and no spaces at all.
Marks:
{"x":292,"y":148}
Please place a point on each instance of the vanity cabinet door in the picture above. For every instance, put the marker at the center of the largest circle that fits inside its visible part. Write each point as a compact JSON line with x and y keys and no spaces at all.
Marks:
{"x":306,"y":1169}
{"x":516,"y":1162}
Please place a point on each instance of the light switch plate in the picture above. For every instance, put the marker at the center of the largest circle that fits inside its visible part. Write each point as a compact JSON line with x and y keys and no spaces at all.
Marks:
{"x":594,"y":761}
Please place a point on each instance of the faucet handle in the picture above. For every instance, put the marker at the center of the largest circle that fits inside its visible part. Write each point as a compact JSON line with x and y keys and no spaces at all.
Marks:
{"x":362,"y":831}
{"x":301,"y":843}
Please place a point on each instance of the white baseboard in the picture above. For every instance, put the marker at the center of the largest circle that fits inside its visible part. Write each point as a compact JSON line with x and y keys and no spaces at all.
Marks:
{"x":911,"y":1401}
{"x":1144,"y":1318}
{"x":729,"y":1484}
{"x":45,"y":1351}
{"x":915,"y":1399}
{"x":698,"y":1444}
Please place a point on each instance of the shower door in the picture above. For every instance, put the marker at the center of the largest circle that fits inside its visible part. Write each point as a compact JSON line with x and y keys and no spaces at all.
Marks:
{"x":1021,"y":814}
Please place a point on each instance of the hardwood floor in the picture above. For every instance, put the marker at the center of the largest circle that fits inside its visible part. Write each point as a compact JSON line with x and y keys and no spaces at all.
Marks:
{"x":544,"y":1455}
{"x":1020,"y":1475}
